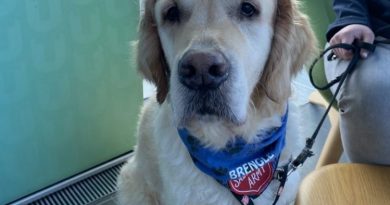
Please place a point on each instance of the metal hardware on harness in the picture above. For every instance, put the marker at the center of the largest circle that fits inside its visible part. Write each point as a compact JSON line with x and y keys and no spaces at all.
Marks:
{"x":281,"y":174}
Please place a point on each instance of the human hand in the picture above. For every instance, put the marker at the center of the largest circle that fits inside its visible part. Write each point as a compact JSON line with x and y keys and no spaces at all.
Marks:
{"x":347,"y":35}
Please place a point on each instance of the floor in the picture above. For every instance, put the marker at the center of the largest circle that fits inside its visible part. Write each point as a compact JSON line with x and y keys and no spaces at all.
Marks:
{"x":303,"y":118}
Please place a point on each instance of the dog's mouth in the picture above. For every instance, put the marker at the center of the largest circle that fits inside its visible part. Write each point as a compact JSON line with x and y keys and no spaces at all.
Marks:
{"x":209,"y":105}
{"x":206,"y":102}
{"x":206,"y":89}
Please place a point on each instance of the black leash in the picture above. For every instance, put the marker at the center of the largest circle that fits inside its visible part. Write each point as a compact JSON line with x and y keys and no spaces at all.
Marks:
{"x":282,"y":173}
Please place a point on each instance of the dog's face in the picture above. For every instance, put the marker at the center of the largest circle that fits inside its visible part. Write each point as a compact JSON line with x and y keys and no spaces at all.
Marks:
{"x":212,"y":50}
{"x":216,"y":58}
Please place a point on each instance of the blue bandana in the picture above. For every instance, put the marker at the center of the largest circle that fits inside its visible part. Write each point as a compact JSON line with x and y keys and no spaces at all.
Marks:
{"x":246,"y":169}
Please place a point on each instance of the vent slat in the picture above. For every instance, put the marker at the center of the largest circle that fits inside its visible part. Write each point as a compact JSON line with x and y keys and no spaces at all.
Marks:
{"x":85,"y":191}
{"x":67,"y":198}
{"x":104,"y":181}
{"x":60,"y":198}
{"x":51,"y":200}
{"x":102,"y":186}
{"x":73,"y":196}
{"x":89,"y":191}
{"x":108,"y":180}
{"x":45,"y":201}
{"x":112,"y":175}
{"x":57,"y":200}
{"x":95,"y":190}
{"x":93,"y":183}
{"x":79,"y":195}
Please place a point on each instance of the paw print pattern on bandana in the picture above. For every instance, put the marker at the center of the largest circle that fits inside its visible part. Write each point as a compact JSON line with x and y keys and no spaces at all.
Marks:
{"x":220,"y":171}
{"x":194,"y":143}
{"x":233,"y":149}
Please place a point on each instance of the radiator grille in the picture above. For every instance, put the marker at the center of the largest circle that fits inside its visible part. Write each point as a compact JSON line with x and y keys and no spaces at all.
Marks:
{"x":94,"y":186}
{"x":84,"y":192}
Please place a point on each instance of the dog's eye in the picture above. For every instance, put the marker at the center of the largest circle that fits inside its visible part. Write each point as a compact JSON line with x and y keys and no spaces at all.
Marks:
{"x":172,"y":14}
{"x":248,"y":10}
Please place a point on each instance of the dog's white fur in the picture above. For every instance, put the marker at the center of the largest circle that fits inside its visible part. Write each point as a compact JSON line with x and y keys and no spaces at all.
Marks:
{"x":264,"y":53}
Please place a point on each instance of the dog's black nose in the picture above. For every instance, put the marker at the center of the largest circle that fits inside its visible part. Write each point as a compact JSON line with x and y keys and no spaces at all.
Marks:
{"x":203,"y":70}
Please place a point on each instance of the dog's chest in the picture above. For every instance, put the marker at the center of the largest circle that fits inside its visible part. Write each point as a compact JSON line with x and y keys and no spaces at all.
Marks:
{"x":182,"y":182}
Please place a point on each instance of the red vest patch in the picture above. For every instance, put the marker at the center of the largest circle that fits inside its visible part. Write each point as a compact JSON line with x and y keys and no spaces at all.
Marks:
{"x":254,"y":182}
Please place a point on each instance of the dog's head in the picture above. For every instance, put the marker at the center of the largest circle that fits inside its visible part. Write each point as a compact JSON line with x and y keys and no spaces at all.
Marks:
{"x":217,"y":59}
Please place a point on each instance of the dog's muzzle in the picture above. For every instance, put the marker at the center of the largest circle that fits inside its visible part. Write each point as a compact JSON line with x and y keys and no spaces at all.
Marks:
{"x":203,"y":71}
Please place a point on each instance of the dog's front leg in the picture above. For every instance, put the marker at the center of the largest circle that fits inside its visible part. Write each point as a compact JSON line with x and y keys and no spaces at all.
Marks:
{"x":133,"y":188}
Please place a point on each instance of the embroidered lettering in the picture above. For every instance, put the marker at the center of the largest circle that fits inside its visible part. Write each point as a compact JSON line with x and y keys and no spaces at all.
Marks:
{"x":246,"y":168}
{"x":240,"y":172}
{"x":237,"y":182}
{"x":259,"y":162}
{"x":255,"y":177}
{"x":254,"y":182}
{"x":251,"y":166}
{"x":232,"y":174}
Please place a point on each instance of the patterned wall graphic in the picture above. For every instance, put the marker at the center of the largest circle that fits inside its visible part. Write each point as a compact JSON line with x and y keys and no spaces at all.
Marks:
{"x":69,"y":92}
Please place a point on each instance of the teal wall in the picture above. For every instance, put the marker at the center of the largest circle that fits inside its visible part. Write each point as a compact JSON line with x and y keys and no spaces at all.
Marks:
{"x":69,"y":93}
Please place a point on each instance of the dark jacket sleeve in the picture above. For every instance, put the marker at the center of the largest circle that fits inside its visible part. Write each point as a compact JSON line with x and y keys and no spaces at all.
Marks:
{"x":348,"y":12}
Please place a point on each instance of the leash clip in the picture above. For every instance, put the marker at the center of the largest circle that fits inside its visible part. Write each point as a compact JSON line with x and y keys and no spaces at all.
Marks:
{"x":281,"y":175}
{"x":331,"y":56}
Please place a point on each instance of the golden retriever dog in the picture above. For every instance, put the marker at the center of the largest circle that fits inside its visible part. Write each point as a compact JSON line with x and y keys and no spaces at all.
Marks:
{"x":223,"y":70}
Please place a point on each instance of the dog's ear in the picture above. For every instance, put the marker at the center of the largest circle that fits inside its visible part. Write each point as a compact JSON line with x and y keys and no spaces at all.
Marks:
{"x":293,"y":45}
{"x":150,"y":56}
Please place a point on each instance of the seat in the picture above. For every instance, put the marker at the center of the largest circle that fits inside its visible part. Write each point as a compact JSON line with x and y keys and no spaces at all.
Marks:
{"x":343,"y":184}
{"x":333,"y":182}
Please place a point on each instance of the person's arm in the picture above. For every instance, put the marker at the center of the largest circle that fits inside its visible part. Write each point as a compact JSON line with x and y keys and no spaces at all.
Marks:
{"x":352,"y":23}
{"x":348,"y":12}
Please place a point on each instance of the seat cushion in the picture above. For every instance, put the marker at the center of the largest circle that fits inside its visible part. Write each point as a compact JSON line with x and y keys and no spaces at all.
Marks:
{"x":346,"y":184}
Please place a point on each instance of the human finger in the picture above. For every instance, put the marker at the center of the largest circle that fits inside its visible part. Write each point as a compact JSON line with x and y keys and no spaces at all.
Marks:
{"x":368,"y":37}
{"x":346,"y":38}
